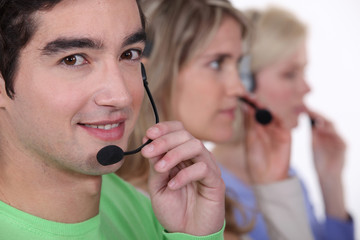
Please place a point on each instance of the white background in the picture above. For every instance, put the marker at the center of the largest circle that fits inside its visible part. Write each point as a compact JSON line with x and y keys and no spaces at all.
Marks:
{"x":333,"y":74}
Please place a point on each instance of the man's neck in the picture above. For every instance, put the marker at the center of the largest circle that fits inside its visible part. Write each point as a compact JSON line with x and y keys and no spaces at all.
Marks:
{"x":48,"y":193}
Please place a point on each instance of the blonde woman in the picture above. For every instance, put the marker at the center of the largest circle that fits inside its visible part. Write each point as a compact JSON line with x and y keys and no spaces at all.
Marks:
{"x":192,"y":58}
{"x":277,"y":62}
{"x":196,"y":47}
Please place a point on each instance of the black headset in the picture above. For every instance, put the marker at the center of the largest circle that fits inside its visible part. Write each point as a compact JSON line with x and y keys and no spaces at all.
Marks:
{"x":247,"y":76}
{"x":112,"y":154}
{"x":262,"y":116}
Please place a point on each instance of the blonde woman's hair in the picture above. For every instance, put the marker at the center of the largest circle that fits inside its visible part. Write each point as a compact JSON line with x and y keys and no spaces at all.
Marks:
{"x":276,"y":33}
{"x":177,"y":31}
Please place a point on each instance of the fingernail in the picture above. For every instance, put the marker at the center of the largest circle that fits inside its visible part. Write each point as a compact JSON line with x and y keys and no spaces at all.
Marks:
{"x":149,"y":148}
{"x":154,"y":130}
{"x":161,"y":164}
{"x":172,"y":183}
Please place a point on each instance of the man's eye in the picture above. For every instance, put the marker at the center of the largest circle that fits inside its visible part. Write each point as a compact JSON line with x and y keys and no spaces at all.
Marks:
{"x":132,"y":54}
{"x":74,"y":60}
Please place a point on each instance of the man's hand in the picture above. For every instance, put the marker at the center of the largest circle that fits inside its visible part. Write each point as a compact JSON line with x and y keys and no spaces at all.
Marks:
{"x":185,"y":184}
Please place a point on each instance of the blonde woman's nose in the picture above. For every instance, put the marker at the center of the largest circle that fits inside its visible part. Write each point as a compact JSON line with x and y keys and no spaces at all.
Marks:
{"x":235,"y":86}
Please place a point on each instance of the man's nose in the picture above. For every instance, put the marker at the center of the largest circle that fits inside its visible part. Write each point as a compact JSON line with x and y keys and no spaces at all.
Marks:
{"x":113,"y":90}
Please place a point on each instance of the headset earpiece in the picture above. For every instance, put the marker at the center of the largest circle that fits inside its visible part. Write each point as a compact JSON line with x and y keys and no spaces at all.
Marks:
{"x":247,"y":76}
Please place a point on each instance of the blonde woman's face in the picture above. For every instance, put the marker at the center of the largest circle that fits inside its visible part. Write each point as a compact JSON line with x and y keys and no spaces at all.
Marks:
{"x":207,"y":88}
{"x":281,"y":87}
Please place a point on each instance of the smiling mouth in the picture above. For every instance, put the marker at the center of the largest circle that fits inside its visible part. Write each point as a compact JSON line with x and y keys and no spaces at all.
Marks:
{"x":104,"y":127}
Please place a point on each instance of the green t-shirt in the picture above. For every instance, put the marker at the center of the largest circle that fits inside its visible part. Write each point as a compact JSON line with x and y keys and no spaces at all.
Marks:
{"x":124,"y":214}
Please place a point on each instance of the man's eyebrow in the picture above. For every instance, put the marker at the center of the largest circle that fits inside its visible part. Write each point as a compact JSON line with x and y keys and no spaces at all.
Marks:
{"x":136,"y":37}
{"x":63,"y":44}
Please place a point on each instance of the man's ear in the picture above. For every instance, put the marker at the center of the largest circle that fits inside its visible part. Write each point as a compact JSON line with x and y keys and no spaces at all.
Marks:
{"x":4,"y":98}
{"x":144,"y":60}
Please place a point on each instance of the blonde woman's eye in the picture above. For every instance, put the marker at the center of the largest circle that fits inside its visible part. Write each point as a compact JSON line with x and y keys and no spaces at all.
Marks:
{"x":74,"y":60}
{"x":215,"y":65}
{"x":132,"y":54}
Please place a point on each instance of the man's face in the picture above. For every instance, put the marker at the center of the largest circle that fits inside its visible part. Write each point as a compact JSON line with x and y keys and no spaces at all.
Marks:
{"x":78,"y":86}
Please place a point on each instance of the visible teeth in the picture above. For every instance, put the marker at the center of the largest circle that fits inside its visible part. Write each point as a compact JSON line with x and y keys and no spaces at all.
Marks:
{"x":105,"y":127}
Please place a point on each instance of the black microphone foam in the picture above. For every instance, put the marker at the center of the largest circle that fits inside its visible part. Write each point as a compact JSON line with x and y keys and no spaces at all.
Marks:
{"x":262,"y":116}
{"x":110,"y":154}
{"x":312,"y":122}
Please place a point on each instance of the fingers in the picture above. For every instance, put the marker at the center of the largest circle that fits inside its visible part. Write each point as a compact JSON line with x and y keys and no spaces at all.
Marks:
{"x":174,"y":148}
{"x":165,"y":137}
{"x":192,"y":173}
{"x":267,"y":149}
{"x":179,"y":153}
{"x":163,"y":128}
{"x":321,"y":124}
{"x":324,"y":133}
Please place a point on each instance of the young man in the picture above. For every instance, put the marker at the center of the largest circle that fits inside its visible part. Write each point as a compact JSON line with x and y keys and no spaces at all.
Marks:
{"x":70,"y":85}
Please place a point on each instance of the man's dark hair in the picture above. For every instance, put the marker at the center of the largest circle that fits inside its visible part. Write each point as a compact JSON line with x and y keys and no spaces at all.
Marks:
{"x":16,"y":29}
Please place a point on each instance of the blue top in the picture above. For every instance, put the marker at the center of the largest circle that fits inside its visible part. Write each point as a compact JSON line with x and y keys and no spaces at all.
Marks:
{"x":330,"y":229}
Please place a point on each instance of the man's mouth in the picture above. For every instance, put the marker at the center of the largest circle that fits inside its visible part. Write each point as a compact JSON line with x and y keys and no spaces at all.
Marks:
{"x":105,"y":127}
{"x":107,"y":131}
